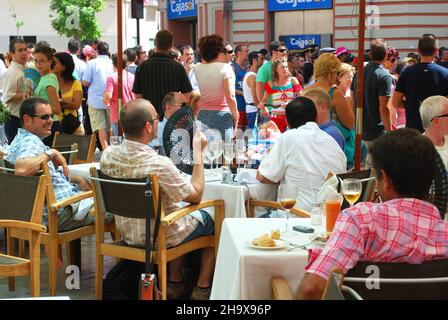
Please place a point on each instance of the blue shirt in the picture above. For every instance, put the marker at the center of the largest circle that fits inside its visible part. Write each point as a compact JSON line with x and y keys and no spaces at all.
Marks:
{"x":28,"y":145}
{"x":96,"y":73}
{"x":330,"y":128}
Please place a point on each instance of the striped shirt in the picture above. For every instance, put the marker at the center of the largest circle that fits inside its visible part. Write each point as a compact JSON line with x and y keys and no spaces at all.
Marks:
{"x":159,"y":75}
{"x":136,"y":160}
{"x":400,"y":230}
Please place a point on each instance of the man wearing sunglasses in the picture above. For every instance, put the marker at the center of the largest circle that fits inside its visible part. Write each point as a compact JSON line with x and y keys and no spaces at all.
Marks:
{"x":434,"y":114}
{"x":28,"y":152}
{"x":278,"y":50}
{"x":229,"y":54}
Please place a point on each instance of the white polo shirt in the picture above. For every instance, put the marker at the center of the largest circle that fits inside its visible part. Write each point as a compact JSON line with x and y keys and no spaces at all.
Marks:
{"x":304,"y":156}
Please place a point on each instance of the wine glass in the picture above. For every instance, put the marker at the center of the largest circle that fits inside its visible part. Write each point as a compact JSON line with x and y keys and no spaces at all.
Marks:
{"x":287,"y":195}
{"x":210,"y":154}
{"x":115,"y":140}
{"x":351,"y":189}
{"x":240,"y":151}
{"x":218,"y":149}
{"x":229,"y":152}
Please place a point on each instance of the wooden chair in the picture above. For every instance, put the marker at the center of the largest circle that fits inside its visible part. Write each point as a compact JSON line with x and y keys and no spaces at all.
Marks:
{"x":273,"y":205}
{"x":69,"y":152}
{"x":108,"y":198}
{"x":52,"y":238}
{"x":86,"y":145}
{"x":22,"y":200}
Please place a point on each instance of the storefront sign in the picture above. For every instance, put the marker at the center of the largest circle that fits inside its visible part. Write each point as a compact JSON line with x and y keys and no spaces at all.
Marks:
{"x":288,"y":5}
{"x":299,"y":42}
{"x":178,"y":9}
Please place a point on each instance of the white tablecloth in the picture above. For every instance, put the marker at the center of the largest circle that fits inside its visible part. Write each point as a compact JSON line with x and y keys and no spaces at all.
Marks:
{"x":234,"y":196}
{"x":242,"y":272}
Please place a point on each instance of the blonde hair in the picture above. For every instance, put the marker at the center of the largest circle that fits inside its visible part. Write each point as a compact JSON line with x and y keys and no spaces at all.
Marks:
{"x":345,"y":68}
{"x":275,"y":64}
{"x":319,"y":95}
{"x":325,"y":65}
{"x":432,"y":107}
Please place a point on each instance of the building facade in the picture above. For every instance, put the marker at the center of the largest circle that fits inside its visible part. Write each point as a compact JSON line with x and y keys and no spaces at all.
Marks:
{"x":37,"y":24}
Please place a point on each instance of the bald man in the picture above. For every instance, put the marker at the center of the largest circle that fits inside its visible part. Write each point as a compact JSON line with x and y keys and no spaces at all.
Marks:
{"x":170,"y":104}
{"x":134,"y":158}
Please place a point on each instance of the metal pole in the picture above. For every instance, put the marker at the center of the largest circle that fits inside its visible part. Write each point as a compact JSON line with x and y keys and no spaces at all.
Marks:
{"x":360,"y":82}
{"x":138,"y":31}
{"x":120,"y":57}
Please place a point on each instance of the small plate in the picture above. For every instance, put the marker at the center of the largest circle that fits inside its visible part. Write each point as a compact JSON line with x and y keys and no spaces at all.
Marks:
{"x":279,"y":244}
{"x":320,"y":238}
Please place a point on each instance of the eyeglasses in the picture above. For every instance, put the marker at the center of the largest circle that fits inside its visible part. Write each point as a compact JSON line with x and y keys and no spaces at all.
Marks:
{"x":282,"y":50}
{"x":42,"y":116}
{"x":229,"y":51}
{"x":441,"y":116}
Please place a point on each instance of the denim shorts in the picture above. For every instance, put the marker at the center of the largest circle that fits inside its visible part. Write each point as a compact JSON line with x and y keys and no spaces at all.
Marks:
{"x":219,"y":120}
{"x":205,"y":229}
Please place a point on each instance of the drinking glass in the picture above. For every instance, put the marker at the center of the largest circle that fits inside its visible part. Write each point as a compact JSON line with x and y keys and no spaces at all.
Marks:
{"x":229,"y":152}
{"x":287,"y":195}
{"x":211,"y":155}
{"x":218,"y":149}
{"x":333,"y":201}
{"x":115,"y":140}
{"x":241,"y":152}
{"x":351,"y":189}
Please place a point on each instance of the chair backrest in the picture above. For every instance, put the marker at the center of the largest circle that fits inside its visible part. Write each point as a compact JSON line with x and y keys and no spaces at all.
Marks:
{"x":86,"y":145}
{"x":368,"y":183}
{"x":69,"y":152}
{"x":125,"y":197}
{"x":22,"y":197}
{"x":7,"y":167}
{"x":333,"y":288}
{"x":428,"y":280}
{"x":439,"y":191}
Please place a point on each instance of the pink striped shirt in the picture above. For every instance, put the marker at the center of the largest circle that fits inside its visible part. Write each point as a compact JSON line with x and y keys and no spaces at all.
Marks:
{"x":399,"y":230}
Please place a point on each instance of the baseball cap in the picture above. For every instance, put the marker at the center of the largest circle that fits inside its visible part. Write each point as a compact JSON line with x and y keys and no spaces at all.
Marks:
{"x":341,"y":50}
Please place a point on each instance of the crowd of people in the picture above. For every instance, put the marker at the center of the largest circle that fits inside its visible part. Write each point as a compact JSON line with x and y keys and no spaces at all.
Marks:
{"x":307,"y":99}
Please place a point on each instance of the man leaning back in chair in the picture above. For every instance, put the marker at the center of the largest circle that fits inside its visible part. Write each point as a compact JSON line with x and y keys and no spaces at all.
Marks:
{"x":403,"y":228}
{"x":27,"y":152}
{"x":134,"y":158}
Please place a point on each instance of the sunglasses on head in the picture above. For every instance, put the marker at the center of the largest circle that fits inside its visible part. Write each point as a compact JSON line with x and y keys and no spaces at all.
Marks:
{"x":42,"y":116}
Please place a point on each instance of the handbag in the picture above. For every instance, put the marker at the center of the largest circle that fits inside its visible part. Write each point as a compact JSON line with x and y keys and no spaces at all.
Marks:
{"x":148,"y":283}
{"x":70,"y":123}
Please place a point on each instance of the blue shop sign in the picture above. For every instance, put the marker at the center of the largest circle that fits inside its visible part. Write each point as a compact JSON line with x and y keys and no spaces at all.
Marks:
{"x":299,"y":42}
{"x":178,"y":9}
{"x":288,"y":5}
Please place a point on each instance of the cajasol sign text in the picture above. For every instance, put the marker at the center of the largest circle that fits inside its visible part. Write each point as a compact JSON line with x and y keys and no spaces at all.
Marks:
{"x":299,"y":42}
{"x":178,"y":9}
{"x":288,"y":5}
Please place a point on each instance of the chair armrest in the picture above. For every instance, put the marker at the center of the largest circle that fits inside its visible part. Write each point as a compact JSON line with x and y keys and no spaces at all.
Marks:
{"x":178,"y":214}
{"x":276,"y":205}
{"x":22,"y":224}
{"x":73,"y":199}
{"x":280,"y":289}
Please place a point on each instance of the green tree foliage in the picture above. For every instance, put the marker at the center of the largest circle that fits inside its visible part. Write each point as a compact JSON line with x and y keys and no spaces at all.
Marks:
{"x":76,"y":18}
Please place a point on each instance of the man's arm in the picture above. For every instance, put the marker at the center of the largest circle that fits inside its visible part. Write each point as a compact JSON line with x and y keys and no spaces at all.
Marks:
{"x":385,"y":112}
{"x":30,"y":166}
{"x":311,"y":288}
{"x":259,"y":87}
{"x":263,"y":179}
{"x":397,"y":99}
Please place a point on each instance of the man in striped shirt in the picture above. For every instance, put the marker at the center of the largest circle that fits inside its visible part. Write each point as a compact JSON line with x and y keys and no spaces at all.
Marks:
{"x":403,"y":228}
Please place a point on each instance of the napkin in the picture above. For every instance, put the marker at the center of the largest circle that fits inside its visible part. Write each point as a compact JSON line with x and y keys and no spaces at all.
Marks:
{"x":248,"y":178}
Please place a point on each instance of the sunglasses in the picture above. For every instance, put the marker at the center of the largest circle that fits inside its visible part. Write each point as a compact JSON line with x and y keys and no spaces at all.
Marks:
{"x":229,"y":51}
{"x":42,"y":116}
{"x":441,"y":116}
{"x":282,"y":50}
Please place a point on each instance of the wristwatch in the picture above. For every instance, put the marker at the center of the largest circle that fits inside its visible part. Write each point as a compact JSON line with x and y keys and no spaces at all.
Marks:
{"x":50,"y":153}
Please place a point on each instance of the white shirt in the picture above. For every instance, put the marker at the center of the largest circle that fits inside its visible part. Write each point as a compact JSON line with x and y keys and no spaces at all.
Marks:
{"x":2,"y":67}
{"x":80,"y":66}
{"x":443,"y":151}
{"x":10,"y":83}
{"x":193,"y":81}
{"x":248,"y":97}
{"x":303,"y":157}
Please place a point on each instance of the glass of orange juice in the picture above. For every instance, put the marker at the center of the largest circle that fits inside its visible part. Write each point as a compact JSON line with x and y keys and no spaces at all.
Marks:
{"x":333,"y":203}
